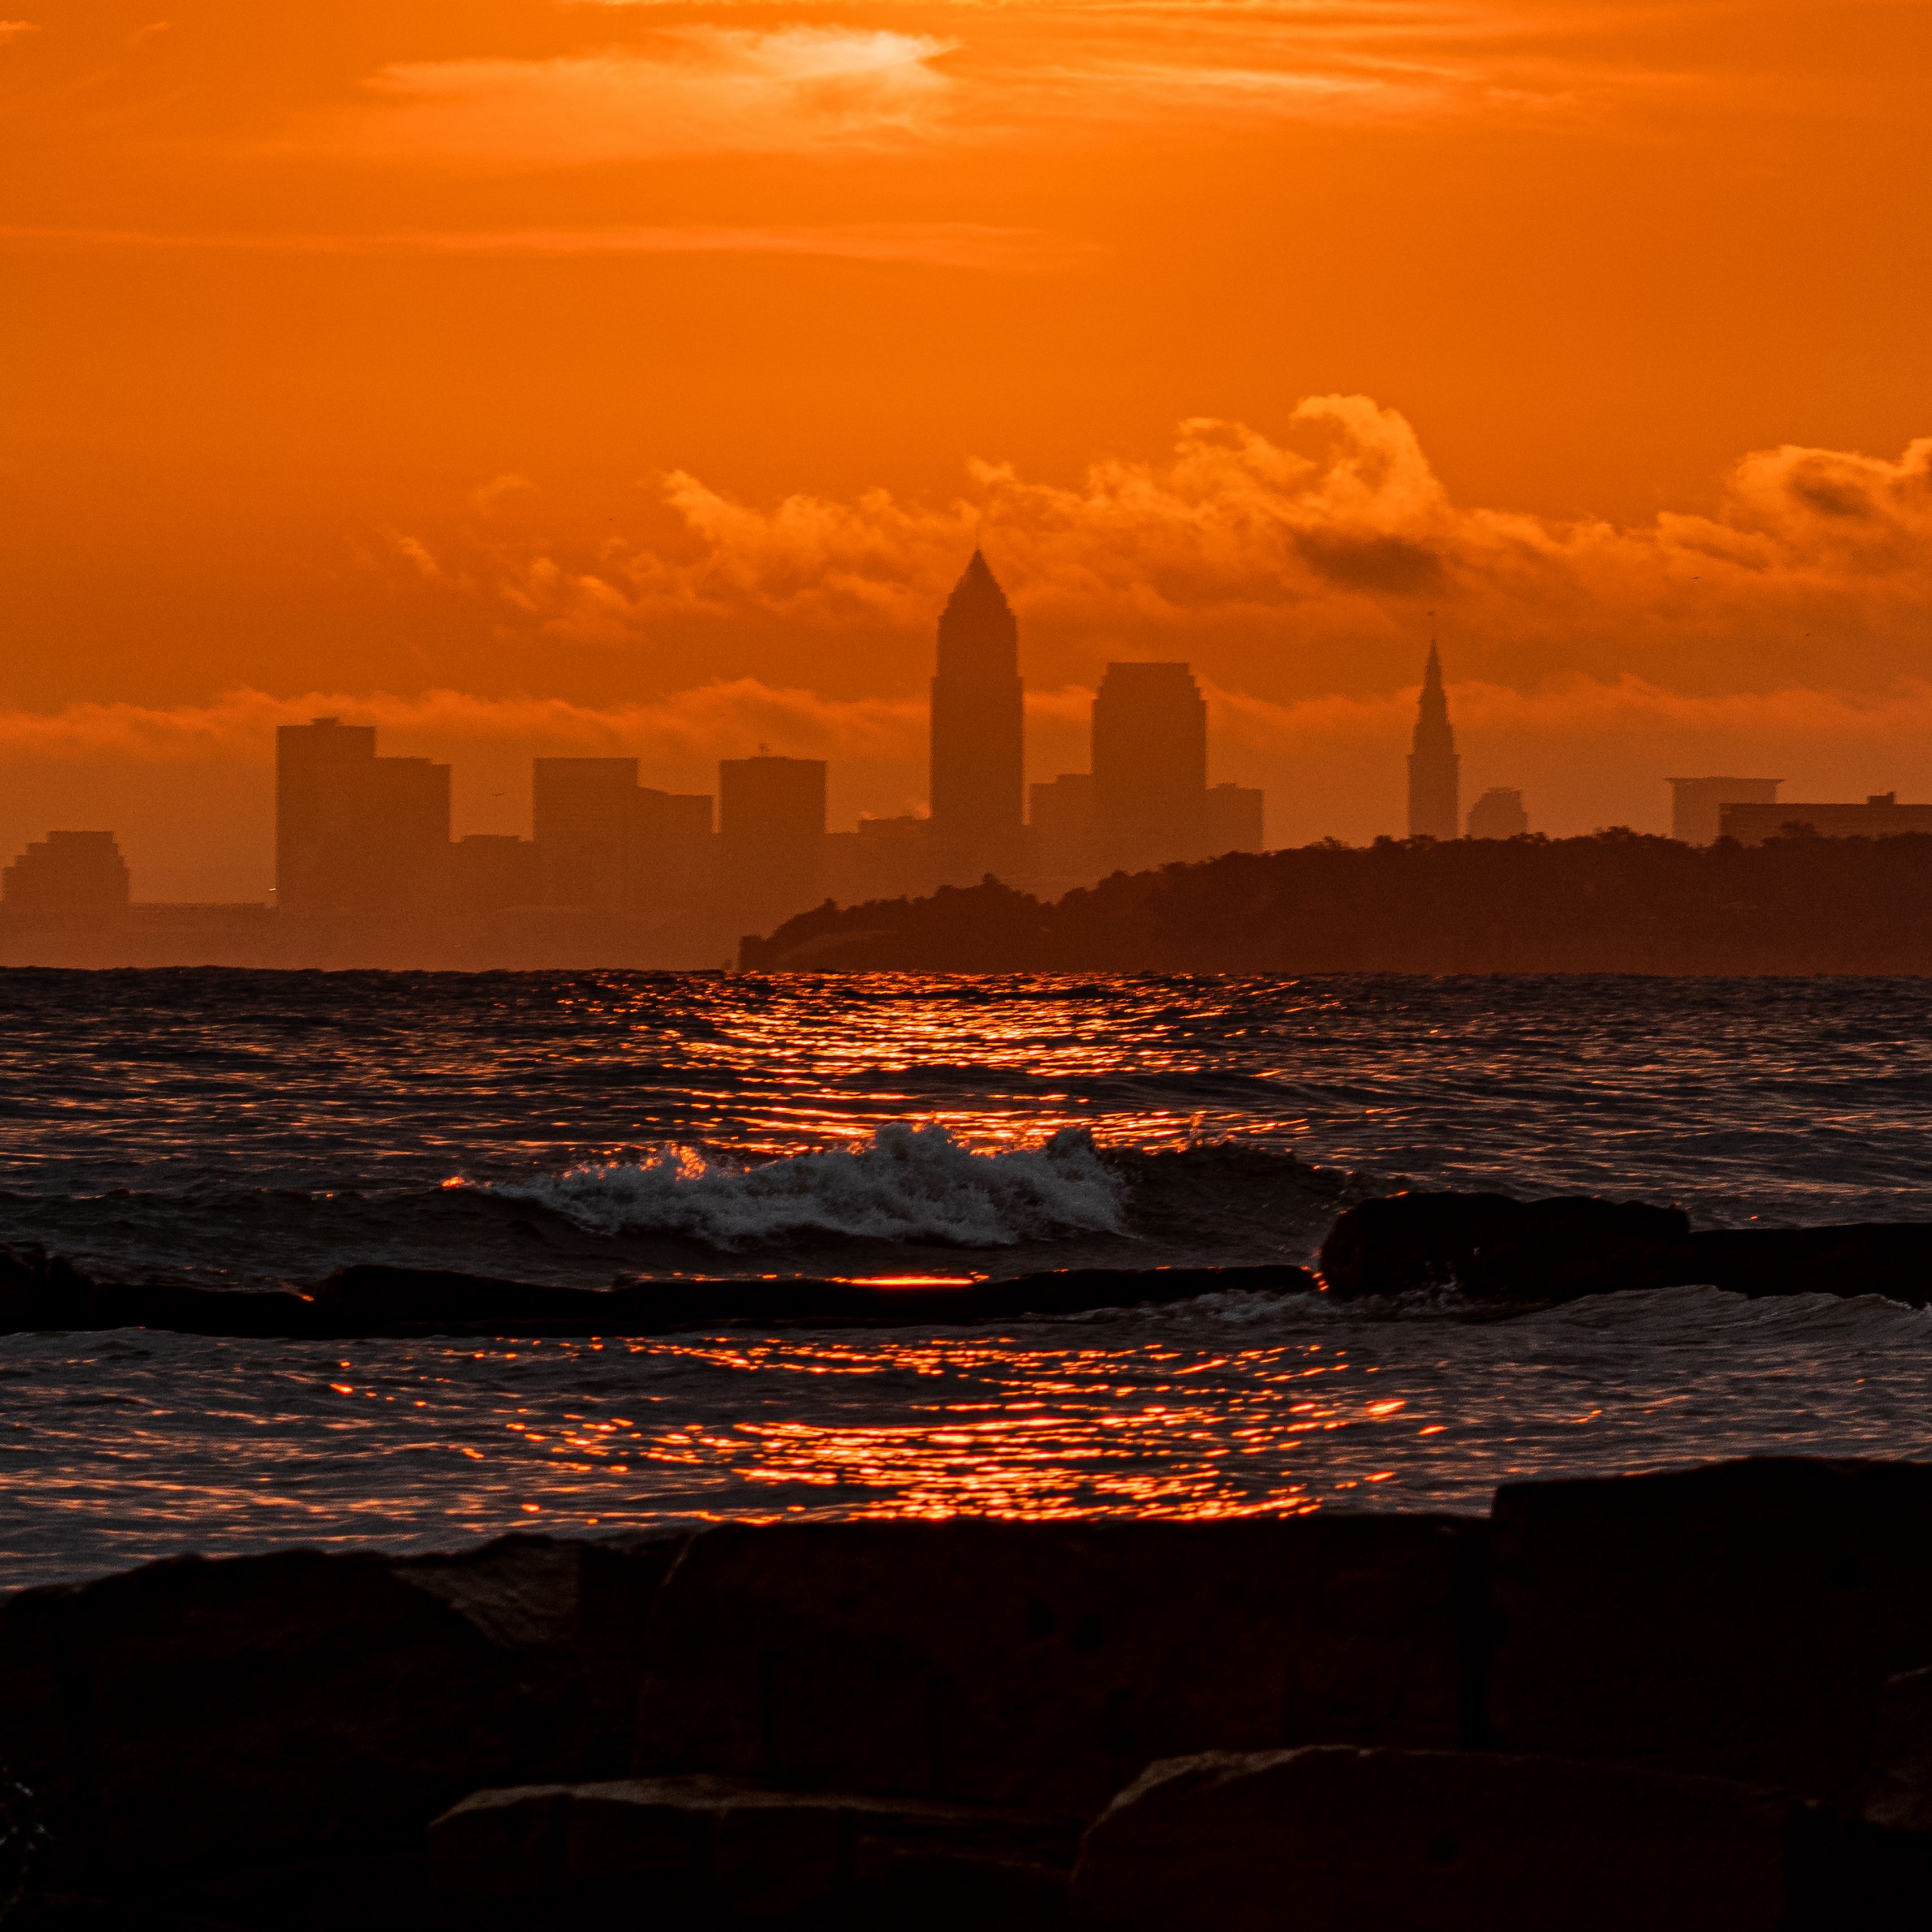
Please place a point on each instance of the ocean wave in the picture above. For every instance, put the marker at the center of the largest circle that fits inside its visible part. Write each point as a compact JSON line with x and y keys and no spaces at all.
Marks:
{"x":904,"y":1184}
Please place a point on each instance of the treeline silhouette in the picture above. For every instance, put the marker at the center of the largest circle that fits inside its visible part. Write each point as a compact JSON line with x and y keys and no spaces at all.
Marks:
{"x":1618,"y":901}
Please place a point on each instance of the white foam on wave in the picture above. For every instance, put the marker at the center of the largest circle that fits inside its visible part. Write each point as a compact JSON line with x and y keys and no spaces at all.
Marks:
{"x":904,"y":1184}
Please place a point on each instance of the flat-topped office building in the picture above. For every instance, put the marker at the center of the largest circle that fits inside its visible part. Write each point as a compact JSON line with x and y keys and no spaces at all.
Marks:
{"x":1234,"y":822}
{"x":66,"y":882}
{"x":1695,"y":804}
{"x":361,"y":843}
{"x":1149,"y":766}
{"x":609,"y":846}
{"x":1498,"y":814}
{"x":771,"y":834}
{"x":1147,"y":801}
{"x":1880,"y":817}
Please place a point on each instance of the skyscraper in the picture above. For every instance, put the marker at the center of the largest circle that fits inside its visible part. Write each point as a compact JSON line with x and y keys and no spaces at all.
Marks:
{"x":1498,"y":814}
{"x":1149,"y":766}
{"x":1234,"y":819}
{"x":771,"y":836}
{"x":1697,"y":804}
{"x":583,"y":821}
{"x":1435,"y":771}
{"x":1059,"y":824}
{"x":68,"y":881}
{"x":610,"y":846}
{"x":978,"y":736}
{"x":361,"y":843}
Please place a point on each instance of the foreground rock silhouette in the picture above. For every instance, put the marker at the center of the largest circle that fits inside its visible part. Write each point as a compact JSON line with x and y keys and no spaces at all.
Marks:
{"x":1442,"y":1841}
{"x":1694,"y":1699}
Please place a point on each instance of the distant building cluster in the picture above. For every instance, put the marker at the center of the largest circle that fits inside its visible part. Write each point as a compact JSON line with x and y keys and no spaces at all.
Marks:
{"x":1702,"y":810}
{"x":617,"y":872}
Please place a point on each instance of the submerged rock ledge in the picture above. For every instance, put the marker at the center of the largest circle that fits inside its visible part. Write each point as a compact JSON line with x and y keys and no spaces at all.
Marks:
{"x":1697,"y":1698}
{"x":1493,"y":1247}
{"x":38,"y":1292}
{"x":1489,"y":1247}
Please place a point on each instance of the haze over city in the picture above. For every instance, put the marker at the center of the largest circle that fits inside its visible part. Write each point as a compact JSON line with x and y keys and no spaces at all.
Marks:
{"x":531,"y":379}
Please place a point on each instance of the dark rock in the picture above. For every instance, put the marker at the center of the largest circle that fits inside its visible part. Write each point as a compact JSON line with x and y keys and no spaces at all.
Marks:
{"x":1739,"y":1620}
{"x":41,"y":1290}
{"x":370,"y":1299}
{"x":725,"y":1851}
{"x":1332,"y":1840}
{"x":374,"y":1300}
{"x":1041,"y":1666}
{"x":1420,"y":1239}
{"x":36,"y":1292}
{"x":1899,"y":1795}
{"x":202,"y":1311}
{"x":192,"y":1718}
{"x":1489,"y":1245}
{"x":1574,"y":1245}
{"x":1889,"y":1257}
{"x":67,"y":1911}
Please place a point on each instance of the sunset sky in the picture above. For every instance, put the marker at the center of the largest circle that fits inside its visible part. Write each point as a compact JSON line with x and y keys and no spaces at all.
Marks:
{"x":528,"y":377}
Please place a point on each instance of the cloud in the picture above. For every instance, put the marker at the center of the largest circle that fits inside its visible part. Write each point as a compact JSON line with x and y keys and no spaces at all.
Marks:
{"x":704,"y":723}
{"x":692,"y":90}
{"x":509,"y":488}
{"x":1335,"y":532}
{"x":1031,"y":71}
{"x":949,"y":244}
{"x":684,"y":732}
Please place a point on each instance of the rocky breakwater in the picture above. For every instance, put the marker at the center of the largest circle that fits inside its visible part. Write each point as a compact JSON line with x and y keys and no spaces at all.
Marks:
{"x":43,"y":1292}
{"x":1698,"y":1699}
{"x":1492,"y":1247}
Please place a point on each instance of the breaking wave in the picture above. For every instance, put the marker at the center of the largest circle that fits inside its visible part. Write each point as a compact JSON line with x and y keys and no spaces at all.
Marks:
{"x":904,"y":1184}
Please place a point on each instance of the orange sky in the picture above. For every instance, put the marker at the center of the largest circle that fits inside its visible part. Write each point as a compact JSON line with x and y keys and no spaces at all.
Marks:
{"x":629,"y":377}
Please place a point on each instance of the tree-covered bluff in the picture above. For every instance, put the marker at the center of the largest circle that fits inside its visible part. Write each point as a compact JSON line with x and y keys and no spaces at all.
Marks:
{"x":1617,"y":901}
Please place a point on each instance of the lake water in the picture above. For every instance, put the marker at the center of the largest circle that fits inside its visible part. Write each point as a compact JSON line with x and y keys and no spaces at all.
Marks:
{"x":237,"y":1129}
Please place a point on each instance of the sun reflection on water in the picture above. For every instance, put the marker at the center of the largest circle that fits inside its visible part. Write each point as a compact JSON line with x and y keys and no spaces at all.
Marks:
{"x":946,"y":1426}
{"x":119,"y":1448}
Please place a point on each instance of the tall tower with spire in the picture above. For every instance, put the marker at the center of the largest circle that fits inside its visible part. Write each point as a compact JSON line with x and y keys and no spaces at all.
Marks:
{"x":978,"y":746}
{"x":1435,"y":771}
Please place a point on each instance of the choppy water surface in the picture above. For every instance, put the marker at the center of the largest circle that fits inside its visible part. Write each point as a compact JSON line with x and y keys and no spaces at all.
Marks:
{"x":237,"y":1128}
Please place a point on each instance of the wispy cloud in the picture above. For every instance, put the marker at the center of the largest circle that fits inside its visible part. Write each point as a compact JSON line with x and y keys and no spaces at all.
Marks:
{"x":707,"y":721}
{"x":690,"y":90}
{"x":1023,"y":70}
{"x":950,"y":245}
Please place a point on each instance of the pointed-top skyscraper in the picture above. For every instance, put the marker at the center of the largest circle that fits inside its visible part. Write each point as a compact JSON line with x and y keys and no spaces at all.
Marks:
{"x":977,"y":734}
{"x":1435,"y":771}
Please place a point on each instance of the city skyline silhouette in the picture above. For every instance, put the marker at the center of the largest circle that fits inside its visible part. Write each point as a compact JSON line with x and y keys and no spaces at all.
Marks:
{"x":367,"y":870}
{"x":617,"y":872}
